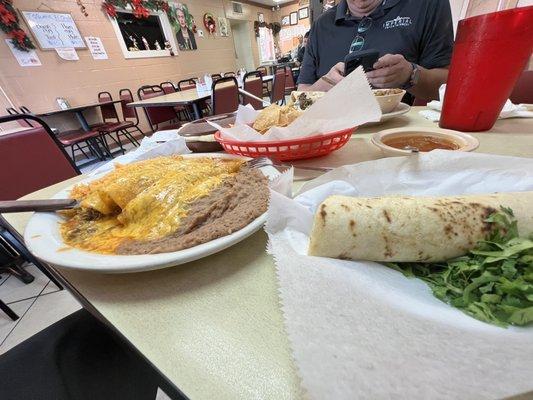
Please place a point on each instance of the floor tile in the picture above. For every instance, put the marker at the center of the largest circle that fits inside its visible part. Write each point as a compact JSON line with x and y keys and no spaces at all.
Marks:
{"x":15,"y":290}
{"x":45,"y":311}
{"x":6,"y":323}
{"x":50,"y":288}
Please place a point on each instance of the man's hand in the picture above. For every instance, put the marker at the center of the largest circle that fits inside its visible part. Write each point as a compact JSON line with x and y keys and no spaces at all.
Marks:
{"x":336,"y":73}
{"x":390,"y":71}
{"x":334,"y":76}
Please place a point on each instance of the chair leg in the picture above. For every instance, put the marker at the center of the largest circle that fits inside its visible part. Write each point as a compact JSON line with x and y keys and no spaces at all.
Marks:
{"x":10,"y":313}
{"x":17,"y":243}
{"x":131,"y":138}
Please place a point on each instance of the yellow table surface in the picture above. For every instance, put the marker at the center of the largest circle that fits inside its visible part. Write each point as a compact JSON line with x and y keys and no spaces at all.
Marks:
{"x":214,"y":327}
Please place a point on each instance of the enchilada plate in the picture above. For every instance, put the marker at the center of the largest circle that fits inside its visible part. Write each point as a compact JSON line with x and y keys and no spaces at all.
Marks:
{"x":43,"y":239}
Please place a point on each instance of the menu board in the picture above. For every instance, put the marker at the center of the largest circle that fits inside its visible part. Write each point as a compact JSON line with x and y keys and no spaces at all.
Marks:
{"x":53,"y":30}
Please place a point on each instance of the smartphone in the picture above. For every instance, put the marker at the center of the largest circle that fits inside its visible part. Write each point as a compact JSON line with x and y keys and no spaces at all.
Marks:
{"x":366,"y":58}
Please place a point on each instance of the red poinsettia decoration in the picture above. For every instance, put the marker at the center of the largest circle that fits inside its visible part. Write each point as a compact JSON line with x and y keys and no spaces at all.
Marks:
{"x":110,"y":9}
{"x":141,"y":12}
{"x":141,"y":8}
{"x":9,"y":24}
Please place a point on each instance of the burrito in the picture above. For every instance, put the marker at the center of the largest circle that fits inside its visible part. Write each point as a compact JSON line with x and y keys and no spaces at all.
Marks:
{"x":411,"y":229}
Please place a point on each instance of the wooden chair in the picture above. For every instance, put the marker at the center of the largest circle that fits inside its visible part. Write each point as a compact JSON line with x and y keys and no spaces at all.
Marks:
{"x":215,"y":77}
{"x":253,"y":83}
{"x":225,"y":95}
{"x":129,"y":113}
{"x":278,"y":87}
{"x":30,"y":160}
{"x":113,"y":124}
{"x":168,"y":87}
{"x":290,"y":84}
{"x":158,"y":115}
{"x":266,"y":89}
{"x":230,"y":73}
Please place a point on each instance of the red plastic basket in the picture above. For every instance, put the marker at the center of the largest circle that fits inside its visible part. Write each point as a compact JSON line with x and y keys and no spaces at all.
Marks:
{"x":286,"y":150}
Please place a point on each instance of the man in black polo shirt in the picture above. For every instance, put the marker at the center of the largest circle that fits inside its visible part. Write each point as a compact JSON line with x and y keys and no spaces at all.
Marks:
{"x":414,"y":38}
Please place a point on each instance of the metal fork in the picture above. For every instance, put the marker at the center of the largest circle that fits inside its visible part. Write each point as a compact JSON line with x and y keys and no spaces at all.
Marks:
{"x":265,"y":161}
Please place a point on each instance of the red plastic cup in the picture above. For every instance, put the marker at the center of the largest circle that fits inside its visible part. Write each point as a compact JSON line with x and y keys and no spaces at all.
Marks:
{"x":490,"y":53}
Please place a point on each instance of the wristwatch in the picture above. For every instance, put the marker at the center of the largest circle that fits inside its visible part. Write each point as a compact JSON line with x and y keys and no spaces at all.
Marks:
{"x":413,"y":79}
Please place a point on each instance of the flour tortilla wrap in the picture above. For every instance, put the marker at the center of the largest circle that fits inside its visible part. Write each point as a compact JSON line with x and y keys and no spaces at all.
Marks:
{"x":410,"y":229}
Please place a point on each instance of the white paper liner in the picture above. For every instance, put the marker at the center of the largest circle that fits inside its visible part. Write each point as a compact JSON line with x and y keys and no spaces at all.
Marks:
{"x":509,"y":109}
{"x":360,"y":330}
{"x":348,"y":104}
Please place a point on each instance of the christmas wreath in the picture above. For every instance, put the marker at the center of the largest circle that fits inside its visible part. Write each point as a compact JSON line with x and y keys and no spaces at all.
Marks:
{"x":9,"y":23}
{"x":140,"y":7}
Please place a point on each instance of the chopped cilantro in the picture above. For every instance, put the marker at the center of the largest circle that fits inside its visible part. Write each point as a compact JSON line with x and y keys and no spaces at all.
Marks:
{"x":493,"y":282}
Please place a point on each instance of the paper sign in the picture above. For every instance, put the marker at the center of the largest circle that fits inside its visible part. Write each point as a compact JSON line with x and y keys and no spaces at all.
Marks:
{"x":24,"y":58}
{"x":96,"y":47}
{"x":68,"y":53}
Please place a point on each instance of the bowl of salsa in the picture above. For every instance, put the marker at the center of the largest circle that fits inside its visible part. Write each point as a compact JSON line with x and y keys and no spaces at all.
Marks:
{"x":406,"y":141}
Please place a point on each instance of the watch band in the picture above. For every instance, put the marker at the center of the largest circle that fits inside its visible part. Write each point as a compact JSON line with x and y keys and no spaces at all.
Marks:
{"x":326,"y":79}
{"x":413,"y":78}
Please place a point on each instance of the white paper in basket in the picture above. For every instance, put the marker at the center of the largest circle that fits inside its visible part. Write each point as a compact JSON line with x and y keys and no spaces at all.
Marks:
{"x":360,"y":330}
{"x":349,"y":103}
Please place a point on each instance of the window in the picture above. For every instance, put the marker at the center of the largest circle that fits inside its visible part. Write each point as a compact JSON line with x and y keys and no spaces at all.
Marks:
{"x":265,"y":43}
{"x":144,"y":37}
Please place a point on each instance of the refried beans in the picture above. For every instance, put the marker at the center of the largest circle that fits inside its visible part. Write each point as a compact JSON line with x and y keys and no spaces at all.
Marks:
{"x":229,"y":207}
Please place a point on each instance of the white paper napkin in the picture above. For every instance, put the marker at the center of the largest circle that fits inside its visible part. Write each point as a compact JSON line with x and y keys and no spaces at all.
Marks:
{"x":360,"y":330}
{"x":348,"y":104}
{"x":509,"y":110}
{"x":161,"y":143}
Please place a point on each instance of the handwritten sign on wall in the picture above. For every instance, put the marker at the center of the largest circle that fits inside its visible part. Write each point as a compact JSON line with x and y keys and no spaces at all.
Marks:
{"x":53,"y":30}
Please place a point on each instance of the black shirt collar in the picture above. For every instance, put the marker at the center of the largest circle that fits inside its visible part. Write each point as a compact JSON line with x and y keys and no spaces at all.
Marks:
{"x":343,"y":14}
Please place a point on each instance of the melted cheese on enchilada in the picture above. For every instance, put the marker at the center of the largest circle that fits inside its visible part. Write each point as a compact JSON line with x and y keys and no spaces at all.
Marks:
{"x":143,"y":200}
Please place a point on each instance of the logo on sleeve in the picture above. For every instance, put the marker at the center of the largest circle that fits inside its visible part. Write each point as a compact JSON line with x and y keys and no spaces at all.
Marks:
{"x":396,"y":22}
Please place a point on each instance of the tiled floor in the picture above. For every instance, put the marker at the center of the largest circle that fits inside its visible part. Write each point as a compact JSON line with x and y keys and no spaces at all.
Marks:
{"x":38,"y":304}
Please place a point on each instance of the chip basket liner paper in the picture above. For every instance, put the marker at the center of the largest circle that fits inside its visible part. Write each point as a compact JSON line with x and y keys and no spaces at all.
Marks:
{"x":362,"y":330}
{"x":348,"y":104}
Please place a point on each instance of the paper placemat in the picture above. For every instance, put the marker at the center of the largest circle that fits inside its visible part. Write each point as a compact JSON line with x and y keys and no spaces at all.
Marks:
{"x":360,"y":330}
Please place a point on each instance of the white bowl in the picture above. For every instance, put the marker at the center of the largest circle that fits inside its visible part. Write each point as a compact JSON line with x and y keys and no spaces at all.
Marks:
{"x":389,"y":102}
{"x":465,"y":141}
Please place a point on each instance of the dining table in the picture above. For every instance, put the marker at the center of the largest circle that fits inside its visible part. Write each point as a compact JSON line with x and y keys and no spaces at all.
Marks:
{"x":78,"y":112}
{"x":190,"y":97}
{"x":214,"y":327}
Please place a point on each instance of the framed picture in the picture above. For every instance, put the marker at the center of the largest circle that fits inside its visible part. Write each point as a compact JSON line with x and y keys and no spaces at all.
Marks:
{"x":294,"y":18}
{"x":260,"y":17}
{"x":285,"y":20}
{"x":184,"y":26}
{"x":303,"y":13}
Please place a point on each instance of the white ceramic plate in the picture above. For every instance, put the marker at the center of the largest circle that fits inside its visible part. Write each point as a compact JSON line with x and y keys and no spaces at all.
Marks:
{"x":43,"y":238}
{"x":400,"y":110}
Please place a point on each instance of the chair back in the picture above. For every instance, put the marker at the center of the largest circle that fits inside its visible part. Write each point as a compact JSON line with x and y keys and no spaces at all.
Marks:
{"x":156,"y":115}
{"x":230,"y":73}
{"x":253,"y":83}
{"x":168,"y":87}
{"x":187,"y":84}
{"x":263,"y":70}
{"x":225,"y":95}
{"x":126,"y":97}
{"x":216,"y":76}
{"x":523,"y":90}
{"x":108,"y":110}
{"x":278,"y":87}
{"x":31,"y":159}
{"x":22,"y":122}
{"x":290,"y":85}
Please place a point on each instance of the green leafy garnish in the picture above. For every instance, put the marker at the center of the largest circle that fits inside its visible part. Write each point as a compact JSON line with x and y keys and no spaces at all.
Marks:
{"x":493,"y":282}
